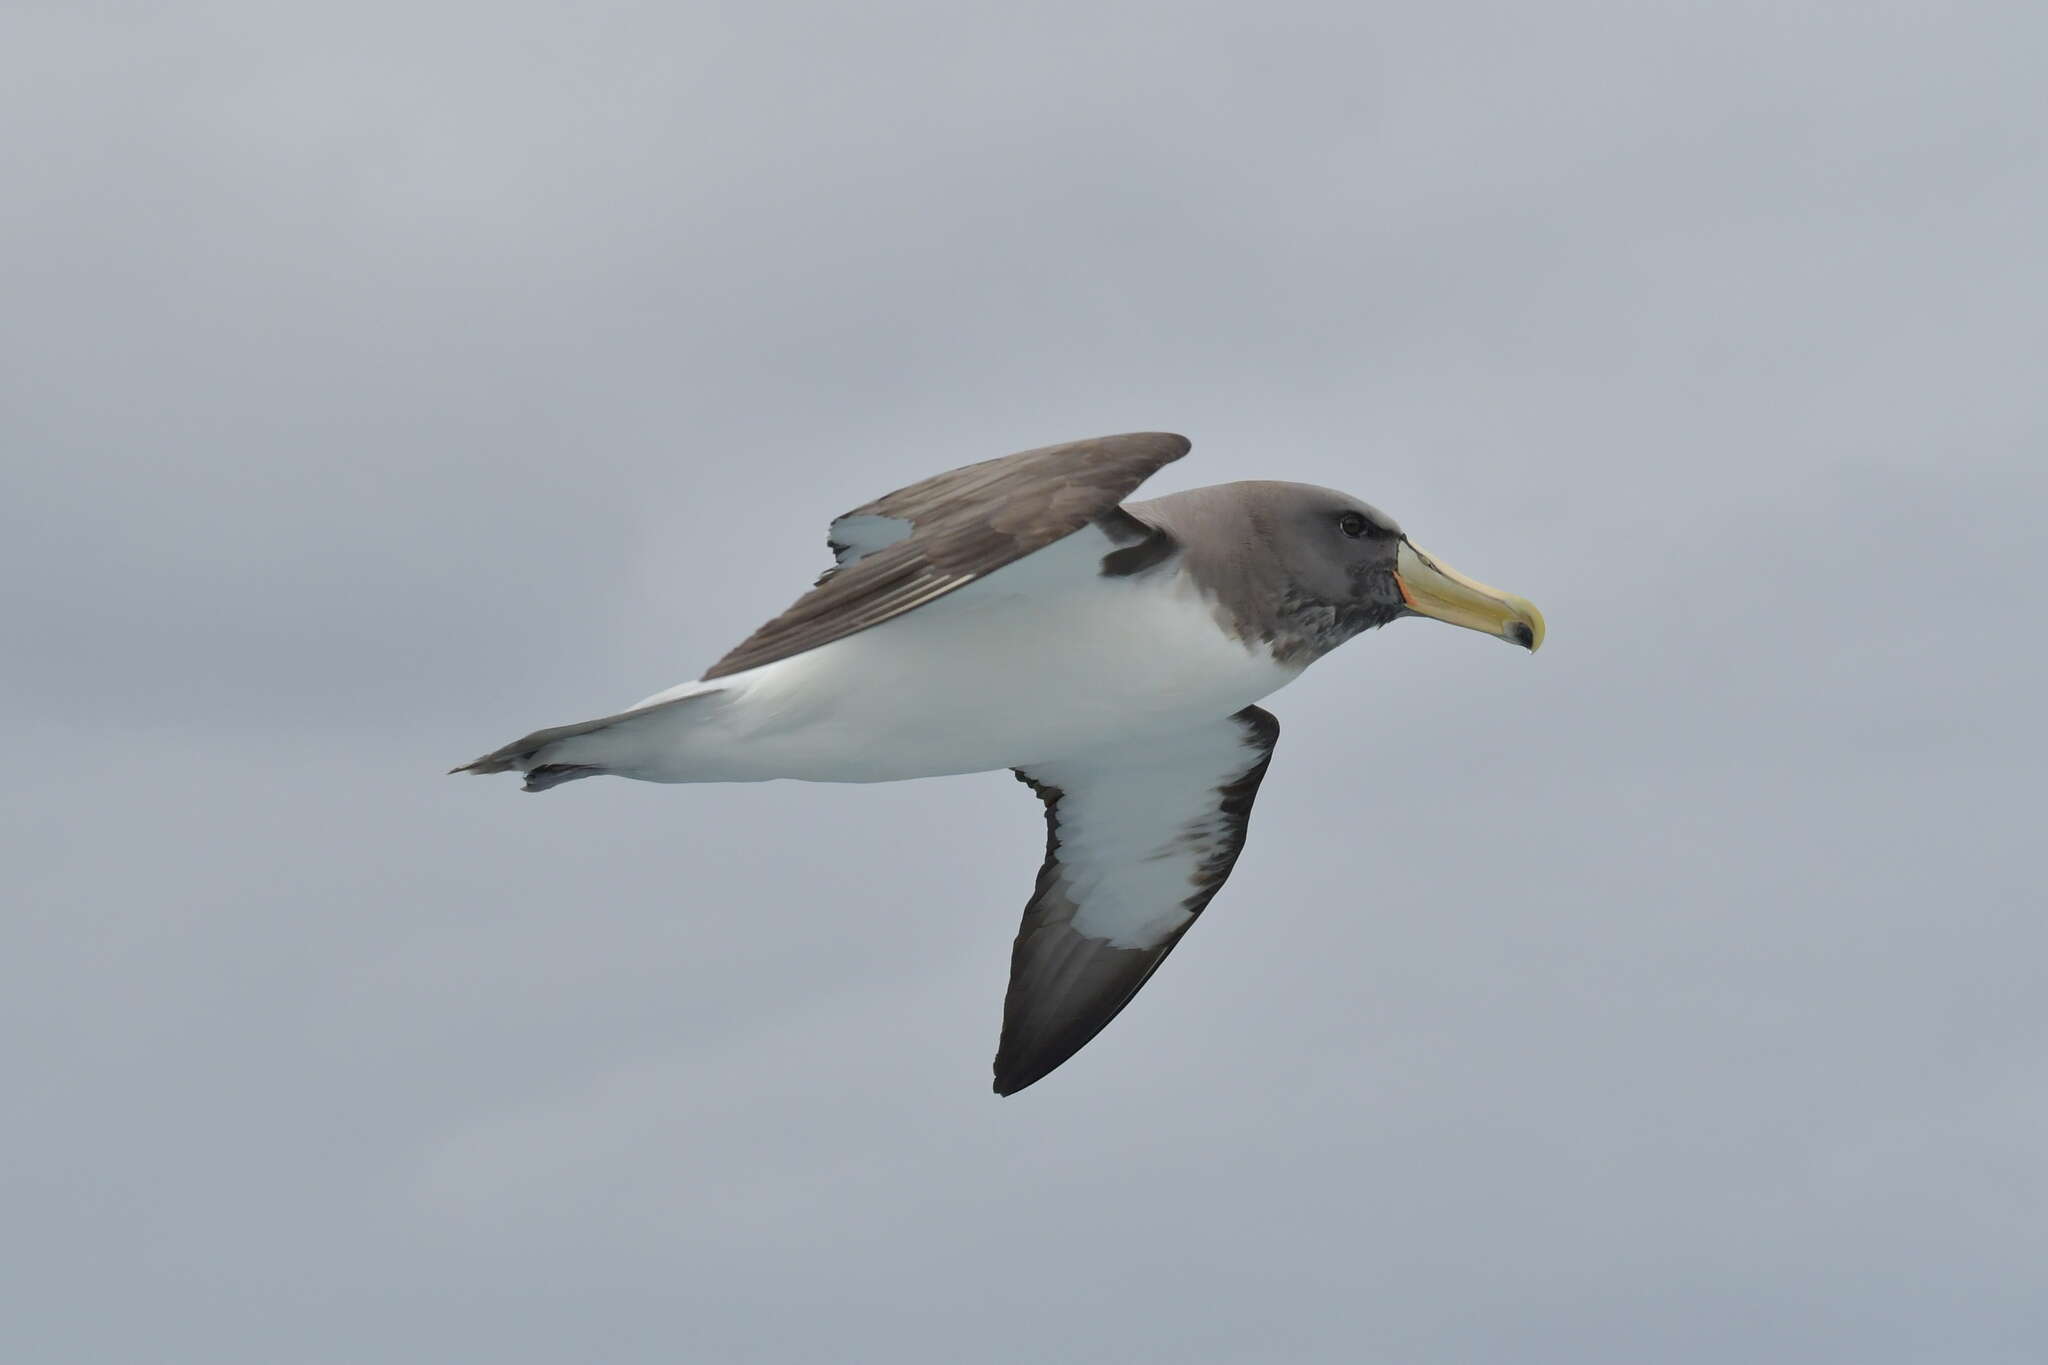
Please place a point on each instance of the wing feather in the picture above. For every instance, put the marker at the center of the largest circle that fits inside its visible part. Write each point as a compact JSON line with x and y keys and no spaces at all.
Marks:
{"x":967,"y":522}
{"x":1137,"y":845}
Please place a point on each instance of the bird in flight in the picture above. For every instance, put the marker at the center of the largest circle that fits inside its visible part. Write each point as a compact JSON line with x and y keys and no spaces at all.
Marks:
{"x":1019,"y":614}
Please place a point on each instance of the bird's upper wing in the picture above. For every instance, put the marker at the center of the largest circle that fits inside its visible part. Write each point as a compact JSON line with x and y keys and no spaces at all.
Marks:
{"x":922,"y":542}
{"x":1138,"y":841}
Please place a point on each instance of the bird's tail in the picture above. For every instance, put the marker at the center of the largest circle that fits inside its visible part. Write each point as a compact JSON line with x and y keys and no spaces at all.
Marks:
{"x":563,"y":753}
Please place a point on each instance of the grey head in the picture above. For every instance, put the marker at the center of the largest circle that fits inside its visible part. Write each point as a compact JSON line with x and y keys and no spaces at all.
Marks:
{"x":1302,"y":569}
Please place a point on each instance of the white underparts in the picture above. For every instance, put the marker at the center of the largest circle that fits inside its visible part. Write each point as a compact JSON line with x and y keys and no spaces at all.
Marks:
{"x":1042,"y":660}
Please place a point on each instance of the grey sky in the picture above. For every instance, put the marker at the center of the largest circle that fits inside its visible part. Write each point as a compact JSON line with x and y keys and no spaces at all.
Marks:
{"x":381,"y":381}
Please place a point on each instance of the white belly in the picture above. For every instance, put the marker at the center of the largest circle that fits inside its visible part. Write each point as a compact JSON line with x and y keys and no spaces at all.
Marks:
{"x":1041,"y":660}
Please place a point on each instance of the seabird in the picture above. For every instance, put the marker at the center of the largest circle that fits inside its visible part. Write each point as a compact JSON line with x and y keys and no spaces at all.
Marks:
{"x":1018,"y":614}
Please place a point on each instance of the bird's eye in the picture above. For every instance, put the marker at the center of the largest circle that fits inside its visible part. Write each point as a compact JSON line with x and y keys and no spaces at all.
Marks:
{"x":1352,"y":524}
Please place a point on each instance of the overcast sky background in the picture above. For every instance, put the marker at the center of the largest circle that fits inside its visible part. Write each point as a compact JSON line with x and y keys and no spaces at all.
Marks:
{"x":384,"y":380}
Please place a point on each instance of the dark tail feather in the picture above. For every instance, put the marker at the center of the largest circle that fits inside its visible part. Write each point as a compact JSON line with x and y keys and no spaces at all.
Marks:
{"x":555,"y":774}
{"x":519,"y":755}
{"x":525,"y":755}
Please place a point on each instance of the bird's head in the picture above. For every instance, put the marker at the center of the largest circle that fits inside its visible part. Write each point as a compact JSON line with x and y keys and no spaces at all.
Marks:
{"x":1344,"y":550}
{"x":1336,"y":565}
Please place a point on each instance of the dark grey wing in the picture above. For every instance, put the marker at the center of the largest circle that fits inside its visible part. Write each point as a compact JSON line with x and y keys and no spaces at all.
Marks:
{"x":1138,"y":842}
{"x":963,"y":524}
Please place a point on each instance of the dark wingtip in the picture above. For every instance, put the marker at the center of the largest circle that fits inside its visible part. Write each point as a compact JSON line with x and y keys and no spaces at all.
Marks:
{"x":1017,"y":1076}
{"x":1173,"y":440}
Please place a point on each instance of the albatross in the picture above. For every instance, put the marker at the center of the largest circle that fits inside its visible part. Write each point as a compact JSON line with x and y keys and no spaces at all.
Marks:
{"x":1019,"y":613}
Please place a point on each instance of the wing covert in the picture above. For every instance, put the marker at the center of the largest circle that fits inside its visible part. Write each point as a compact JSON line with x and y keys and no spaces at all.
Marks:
{"x":966,"y":523}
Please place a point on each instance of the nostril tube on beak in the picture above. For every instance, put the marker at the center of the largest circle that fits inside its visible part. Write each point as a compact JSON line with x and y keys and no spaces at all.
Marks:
{"x":1520,"y":633}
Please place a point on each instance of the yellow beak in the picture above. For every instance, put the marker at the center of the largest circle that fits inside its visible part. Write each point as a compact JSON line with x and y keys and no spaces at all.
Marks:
{"x":1431,"y":589}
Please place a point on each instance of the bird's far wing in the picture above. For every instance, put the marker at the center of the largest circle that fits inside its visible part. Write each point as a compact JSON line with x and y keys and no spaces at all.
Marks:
{"x":1138,"y":842}
{"x":963,"y":524}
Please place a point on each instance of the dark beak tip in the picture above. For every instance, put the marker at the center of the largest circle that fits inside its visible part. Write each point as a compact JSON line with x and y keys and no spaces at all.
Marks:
{"x":1520,"y":634}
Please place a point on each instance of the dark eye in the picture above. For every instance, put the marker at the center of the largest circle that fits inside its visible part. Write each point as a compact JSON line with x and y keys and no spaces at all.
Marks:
{"x":1353,"y":524}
